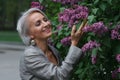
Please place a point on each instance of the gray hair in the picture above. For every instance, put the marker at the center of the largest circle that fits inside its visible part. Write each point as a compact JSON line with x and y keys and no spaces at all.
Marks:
{"x":22,"y":25}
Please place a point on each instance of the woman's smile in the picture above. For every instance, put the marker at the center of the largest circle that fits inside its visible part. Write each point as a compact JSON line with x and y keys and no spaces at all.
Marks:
{"x":47,"y":29}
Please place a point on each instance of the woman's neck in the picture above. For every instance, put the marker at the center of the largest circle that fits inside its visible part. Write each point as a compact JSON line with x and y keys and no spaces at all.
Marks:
{"x":43,"y":45}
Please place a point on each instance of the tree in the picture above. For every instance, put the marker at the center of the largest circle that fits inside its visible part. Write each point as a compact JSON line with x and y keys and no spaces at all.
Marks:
{"x":10,"y":11}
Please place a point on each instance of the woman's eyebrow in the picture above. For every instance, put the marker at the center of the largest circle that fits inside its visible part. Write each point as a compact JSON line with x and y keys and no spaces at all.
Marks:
{"x":45,"y":17}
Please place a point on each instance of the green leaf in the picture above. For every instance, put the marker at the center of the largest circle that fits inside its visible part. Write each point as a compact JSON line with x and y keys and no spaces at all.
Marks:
{"x":59,"y":45}
{"x":103,"y":6}
{"x":88,"y":38}
{"x":60,"y":32}
{"x":96,"y":1}
{"x":95,"y":10}
{"x":94,"y":51}
{"x":66,"y":28}
{"x":84,"y":71}
{"x":106,"y":42}
{"x":78,"y":71}
{"x":62,"y":9}
{"x":40,"y":1}
{"x":91,"y":34}
{"x":67,"y":34}
{"x":91,"y":18}
{"x":100,"y":49}
{"x":117,"y":49}
{"x":109,"y":1}
{"x":81,"y":64}
{"x":101,"y":56}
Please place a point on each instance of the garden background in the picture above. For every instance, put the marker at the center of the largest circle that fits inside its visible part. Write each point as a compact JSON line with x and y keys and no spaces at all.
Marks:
{"x":101,"y":40}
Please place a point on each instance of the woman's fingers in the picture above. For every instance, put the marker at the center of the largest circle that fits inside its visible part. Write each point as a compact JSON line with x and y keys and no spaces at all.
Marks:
{"x":73,"y":30}
{"x":82,"y":25}
{"x":76,"y":35}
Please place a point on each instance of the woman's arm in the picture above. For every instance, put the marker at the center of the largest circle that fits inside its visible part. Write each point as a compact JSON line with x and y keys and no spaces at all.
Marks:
{"x":42,"y":68}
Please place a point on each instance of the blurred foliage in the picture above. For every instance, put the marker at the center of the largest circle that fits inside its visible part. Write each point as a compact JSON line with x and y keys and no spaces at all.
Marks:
{"x":10,"y":10}
{"x":10,"y":36}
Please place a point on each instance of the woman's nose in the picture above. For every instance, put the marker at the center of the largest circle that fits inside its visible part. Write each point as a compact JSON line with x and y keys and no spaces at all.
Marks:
{"x":46,"y":23}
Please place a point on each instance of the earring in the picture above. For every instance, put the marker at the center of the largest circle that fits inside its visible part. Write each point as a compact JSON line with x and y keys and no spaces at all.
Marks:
{"x":32,"y":42}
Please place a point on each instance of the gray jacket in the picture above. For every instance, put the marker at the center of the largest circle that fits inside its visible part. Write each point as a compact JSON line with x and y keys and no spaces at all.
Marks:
{"x":34,"y":65}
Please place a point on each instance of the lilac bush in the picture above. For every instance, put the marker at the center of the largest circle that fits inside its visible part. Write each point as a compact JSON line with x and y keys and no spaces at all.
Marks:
{"x":100,"y":42}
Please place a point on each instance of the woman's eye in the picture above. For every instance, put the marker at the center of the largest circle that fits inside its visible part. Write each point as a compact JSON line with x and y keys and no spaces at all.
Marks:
{"x":37,"y":23}
{"x":45,"y":19}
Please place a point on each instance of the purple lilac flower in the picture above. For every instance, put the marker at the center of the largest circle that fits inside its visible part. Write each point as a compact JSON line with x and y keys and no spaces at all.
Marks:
{"x":119,"y":69}
{"x":50,"y":41}
{"x":115,"y":33}
{"x":93,"y":59}
{"x":37,"y":5}
{"x":118,"y":57}
{"x":89,"y":46}
{"x":73,"y":15}
{"x":66,"y":41}
{"x":71,"y":2}
{"x":59,"y":27}
{"x":119,"y":37}
{"x":98,"y":28}
{"x":115,"y":73}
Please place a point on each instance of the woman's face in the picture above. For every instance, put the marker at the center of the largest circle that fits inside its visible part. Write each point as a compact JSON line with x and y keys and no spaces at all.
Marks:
{"x":39,"y":26}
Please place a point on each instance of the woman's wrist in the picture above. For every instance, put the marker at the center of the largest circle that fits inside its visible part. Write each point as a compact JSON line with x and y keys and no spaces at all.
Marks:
{"x":74,"y":43}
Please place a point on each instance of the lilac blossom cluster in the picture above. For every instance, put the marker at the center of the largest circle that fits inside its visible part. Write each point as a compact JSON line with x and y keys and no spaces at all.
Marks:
{"x":59,"y":27}
{"x":94,"y":59}
{"x":89,"y":46}
{"x":37,"y":5}
{"x":73,"y":15}
{"x":66,"y":41}
{"x":98,"y":28}
{"x":115,"y":33}
{"x":50,"y":41}
{"x":71,"y":2}
{"x":118,"y":57}
{"x":115,"y":73}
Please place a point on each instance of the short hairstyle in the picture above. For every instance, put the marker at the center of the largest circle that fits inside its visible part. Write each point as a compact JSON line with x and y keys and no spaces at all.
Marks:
{"x":22,"y":25}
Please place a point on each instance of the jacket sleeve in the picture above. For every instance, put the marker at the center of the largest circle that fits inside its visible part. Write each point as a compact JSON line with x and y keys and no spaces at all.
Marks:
{"x":42,"y":68}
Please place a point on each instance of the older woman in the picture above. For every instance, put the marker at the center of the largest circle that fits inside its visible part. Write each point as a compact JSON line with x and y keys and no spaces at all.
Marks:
{"x":41,"y":61}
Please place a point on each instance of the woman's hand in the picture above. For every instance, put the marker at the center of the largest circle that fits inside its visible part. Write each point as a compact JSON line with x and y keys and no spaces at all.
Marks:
{"x":76,"y":35}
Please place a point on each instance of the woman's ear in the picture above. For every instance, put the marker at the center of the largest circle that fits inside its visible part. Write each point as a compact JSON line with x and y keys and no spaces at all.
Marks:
{"x":31,"y":36}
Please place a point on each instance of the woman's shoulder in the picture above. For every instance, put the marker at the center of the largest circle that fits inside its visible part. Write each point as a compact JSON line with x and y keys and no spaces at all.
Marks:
{"x":32,"y":50}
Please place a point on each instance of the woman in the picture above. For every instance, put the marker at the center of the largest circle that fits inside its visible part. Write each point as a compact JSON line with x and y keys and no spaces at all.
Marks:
{"x":41,"y":61}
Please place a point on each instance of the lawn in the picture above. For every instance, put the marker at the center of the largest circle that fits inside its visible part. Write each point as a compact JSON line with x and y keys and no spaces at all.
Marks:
{"x":11,"y":36}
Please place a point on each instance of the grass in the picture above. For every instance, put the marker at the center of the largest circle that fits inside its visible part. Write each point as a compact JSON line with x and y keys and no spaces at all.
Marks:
{"x":11,"y":36}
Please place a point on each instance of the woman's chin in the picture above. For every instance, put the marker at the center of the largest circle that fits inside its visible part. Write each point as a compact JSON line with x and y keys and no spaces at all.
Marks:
{"x":49,"y":35}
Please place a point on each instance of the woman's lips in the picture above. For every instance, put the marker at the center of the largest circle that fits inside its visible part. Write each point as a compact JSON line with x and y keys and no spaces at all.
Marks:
{"x":47,"y":29}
